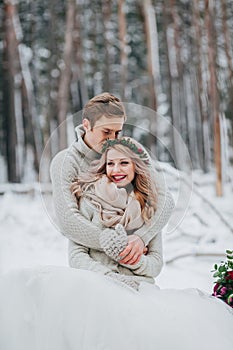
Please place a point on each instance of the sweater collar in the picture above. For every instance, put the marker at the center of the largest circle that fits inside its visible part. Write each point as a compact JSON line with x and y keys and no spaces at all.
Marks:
{"x":82,"y":147}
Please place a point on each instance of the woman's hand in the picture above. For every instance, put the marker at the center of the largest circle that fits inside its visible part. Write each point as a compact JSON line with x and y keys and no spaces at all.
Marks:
{"x":131,"y":255}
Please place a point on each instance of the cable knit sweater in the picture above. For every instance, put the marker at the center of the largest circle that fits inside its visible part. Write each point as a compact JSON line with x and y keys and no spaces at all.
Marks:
{"x":122,"y":208}
{"x":65,"y":167}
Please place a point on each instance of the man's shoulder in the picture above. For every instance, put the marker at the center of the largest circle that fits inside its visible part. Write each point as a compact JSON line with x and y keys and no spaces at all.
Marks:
{"x":60,"y":155}
{"x":59,"y":158}
{"x":66,"y":159}
{"x":67,"y":153}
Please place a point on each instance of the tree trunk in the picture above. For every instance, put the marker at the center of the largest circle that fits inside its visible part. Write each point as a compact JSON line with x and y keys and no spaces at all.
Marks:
{"x":152,"y":51}
{"x":227,"y":43}
{"x":191,"y":116}
{"x":12,"y":95}
{"x":123,"y":52}
{"x":228,"y":50}
{"x":153,"y":68}
{"x":79,"y":88}
{"x":31,"y":105}
{"x":50,"y":110}
{"x":176,"y":77}
{"x":106,"y":13}
{"x":204,"y":137}
{"x":213,"y":93}
{"x":64,"y":85}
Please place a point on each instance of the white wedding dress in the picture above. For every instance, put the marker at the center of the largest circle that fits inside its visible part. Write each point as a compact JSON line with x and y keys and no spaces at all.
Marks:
{"x":60,"y":308}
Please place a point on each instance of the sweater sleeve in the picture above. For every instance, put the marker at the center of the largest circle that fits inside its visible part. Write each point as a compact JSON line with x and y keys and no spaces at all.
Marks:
{"x":79,"y":258}
{"x":165,"y":206}
{"x":71,"y":222}
{"x":151,"y":264}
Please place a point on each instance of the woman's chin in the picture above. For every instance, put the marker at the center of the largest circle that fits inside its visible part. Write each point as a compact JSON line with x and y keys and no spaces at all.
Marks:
{"x":128,"y":186}
{"x":121,"y":183}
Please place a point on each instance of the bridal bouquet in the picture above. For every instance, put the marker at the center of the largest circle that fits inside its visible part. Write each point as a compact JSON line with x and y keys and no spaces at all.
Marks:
{"x":223,"y":287}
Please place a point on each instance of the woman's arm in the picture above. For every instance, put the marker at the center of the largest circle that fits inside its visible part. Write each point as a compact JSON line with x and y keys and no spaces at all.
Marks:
{"x":151,"y":264}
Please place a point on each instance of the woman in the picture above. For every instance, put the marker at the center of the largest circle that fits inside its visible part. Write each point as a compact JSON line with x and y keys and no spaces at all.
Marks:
{"x":119,"y":190}
{"x":64,"y":308}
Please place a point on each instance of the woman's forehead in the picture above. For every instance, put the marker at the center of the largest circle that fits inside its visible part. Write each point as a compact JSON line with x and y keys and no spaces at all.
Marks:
{"x":115,"y":154}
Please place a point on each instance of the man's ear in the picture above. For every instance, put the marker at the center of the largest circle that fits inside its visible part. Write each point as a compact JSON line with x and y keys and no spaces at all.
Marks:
{"x":86,"y":124}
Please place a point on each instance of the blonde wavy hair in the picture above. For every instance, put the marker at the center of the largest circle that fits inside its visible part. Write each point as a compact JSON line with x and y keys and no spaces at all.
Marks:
{"x":144,"y":182}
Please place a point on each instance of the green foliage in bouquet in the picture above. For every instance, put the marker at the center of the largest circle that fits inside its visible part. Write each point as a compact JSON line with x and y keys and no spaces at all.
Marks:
{"x":223,"y":288}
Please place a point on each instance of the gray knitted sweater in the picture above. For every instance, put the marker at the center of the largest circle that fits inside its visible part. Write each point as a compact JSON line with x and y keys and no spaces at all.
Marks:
{"x":106,"y":206}
{"x":79,"y":228}
{"x":65,"y":167}
{"x":85,"y":258}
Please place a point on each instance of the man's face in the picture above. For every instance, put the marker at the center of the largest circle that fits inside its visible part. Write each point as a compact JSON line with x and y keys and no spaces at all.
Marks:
{"x":104,"y":128}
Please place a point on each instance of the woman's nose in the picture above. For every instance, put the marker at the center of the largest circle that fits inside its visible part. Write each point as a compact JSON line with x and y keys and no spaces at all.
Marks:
{"x":116,"y":167}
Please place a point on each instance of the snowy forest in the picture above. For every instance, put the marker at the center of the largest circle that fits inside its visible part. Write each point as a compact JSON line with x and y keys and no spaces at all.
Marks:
{"x":174,"y":59}
{"x":172,"y":56}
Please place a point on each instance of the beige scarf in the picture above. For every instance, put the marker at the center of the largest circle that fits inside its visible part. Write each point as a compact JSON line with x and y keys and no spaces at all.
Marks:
{"x":115,"y":205}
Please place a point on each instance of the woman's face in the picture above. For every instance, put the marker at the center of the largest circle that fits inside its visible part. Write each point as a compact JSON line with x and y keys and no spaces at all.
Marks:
{"x":119,"y":168}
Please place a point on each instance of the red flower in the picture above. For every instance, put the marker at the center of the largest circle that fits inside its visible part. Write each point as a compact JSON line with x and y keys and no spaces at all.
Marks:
{"x":223,"y":290}
{"x":229,"y":275}
{"x":216,"y":288}
{"x":223,"y":287}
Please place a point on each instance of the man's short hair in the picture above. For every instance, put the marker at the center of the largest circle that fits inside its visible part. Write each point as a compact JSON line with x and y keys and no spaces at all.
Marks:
{"x":104,"y":104}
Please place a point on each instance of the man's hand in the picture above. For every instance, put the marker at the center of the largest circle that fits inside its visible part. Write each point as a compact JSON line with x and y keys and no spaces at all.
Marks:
{"x":131,"y":255}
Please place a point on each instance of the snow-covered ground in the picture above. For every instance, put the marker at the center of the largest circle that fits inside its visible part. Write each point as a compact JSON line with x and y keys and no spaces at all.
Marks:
{"x":29,"y":238}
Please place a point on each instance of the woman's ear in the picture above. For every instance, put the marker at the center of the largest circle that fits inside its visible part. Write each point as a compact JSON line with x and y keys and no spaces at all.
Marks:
{"x":86,"y":124}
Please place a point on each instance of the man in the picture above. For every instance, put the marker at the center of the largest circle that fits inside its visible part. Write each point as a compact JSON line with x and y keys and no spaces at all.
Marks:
{"x":103,"y":118}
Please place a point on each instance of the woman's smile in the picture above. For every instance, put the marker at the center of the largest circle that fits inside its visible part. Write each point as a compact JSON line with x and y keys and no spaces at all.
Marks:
{"x":118,"y":178}
{"x":119,"y":168}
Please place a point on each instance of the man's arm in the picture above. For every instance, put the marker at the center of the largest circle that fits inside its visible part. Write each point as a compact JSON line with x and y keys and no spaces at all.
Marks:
{"x":79,"y":258}
{"x":73,"y":224}
{"x":151,"y":264}
{"x":64,"y":169}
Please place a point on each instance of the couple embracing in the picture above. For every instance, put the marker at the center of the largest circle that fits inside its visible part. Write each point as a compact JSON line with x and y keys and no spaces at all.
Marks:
{"x":112,"y":204}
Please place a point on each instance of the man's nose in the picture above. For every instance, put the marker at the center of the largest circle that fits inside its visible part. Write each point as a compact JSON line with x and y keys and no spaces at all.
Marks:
{"x":112,"y":135}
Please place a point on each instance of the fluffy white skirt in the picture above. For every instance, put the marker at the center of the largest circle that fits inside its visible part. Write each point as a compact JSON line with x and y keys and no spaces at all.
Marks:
{"x":59,"y":308}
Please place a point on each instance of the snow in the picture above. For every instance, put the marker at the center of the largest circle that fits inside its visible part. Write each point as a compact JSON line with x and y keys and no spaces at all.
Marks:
{"x":28,"y":237}
{"x":50,"y":306}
